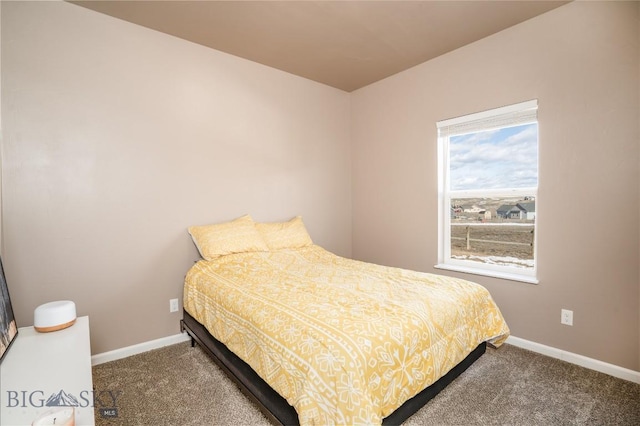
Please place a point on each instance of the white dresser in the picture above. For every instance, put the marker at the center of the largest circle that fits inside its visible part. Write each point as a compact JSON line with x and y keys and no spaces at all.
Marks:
{"x":41,"y":367}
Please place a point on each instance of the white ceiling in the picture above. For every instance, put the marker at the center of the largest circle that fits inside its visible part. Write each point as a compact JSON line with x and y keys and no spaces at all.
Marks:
{"x":344,"y":44}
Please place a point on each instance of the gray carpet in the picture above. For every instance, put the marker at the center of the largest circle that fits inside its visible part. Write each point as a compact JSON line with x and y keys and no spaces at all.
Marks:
{"x":180,"y":385}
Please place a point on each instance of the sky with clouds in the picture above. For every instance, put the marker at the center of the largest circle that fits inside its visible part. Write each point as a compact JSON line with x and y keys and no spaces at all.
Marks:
{"x":495,"y":159}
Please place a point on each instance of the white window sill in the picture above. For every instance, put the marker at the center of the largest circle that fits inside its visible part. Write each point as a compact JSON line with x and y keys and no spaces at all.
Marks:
{"x":488,"y":273}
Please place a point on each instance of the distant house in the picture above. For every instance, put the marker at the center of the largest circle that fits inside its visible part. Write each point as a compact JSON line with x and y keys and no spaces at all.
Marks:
{"x":523,"y":210}
{"x":505,"y":211}
{"x":528,"y":209}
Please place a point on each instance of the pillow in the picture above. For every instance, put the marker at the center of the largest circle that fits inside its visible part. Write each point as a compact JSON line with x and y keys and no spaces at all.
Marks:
{"x":238,"y":236}
{"x":281,"y":235}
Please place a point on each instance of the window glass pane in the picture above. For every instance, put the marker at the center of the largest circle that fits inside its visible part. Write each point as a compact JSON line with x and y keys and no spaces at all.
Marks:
{"x":495,"y":159}
{"x":495,"y":231}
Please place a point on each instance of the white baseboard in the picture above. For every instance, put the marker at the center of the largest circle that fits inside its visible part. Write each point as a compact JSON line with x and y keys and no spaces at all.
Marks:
{"x":139,"y":348}
{"x":583,"y":361}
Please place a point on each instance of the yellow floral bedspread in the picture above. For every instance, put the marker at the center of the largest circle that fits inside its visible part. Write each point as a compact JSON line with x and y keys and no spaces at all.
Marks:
{"x":343,"y":341}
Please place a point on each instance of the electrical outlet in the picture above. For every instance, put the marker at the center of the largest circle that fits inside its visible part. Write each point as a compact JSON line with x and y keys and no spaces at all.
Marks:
{"x":173,"y":305}
{"x":566,"y":317}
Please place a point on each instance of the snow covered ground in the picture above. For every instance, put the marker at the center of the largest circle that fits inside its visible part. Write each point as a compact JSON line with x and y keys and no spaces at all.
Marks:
{"x":497,"y":260}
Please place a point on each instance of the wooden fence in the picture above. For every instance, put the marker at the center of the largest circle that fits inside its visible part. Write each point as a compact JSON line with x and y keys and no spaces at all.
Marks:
{"x":469,"y":240}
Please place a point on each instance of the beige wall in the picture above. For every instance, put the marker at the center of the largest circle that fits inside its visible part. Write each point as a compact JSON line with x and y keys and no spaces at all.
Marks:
{"x":116,"y":138}
{"x":1,"y":134}
{"x":581,"y":62}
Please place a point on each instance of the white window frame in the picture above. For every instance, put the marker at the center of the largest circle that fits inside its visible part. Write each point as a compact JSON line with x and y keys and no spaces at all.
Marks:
{"x":512,"y":115}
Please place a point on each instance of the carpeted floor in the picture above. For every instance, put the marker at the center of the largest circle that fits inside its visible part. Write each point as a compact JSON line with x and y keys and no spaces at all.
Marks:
{"x":180,"y":385}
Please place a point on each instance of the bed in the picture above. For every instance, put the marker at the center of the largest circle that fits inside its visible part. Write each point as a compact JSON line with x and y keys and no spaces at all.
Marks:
{"x":315,"y":338}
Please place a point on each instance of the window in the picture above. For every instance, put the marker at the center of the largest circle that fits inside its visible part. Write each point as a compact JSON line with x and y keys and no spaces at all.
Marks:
{"x":488,"y":190}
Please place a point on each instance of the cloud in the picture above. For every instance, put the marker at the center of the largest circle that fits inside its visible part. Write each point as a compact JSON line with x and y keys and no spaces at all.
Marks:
{"x":495,"y":159}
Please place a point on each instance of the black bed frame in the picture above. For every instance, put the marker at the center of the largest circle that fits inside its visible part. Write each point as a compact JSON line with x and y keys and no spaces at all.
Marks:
{"x":274,"y":406}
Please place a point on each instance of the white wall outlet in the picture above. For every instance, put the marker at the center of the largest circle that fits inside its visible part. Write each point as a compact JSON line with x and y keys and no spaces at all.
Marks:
{"x":173,"y":305}
{"x":566,"y":317}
